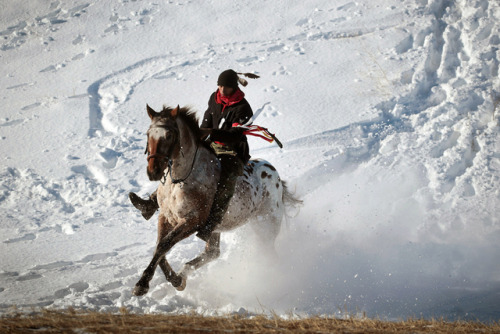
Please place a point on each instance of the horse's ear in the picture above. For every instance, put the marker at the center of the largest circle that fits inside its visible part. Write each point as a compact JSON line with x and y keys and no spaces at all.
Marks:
{"x":175,"y":111}
{"x":151,"y":112}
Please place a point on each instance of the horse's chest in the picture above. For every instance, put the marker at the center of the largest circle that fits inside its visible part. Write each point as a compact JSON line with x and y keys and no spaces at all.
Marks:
{"x":181,"y":203}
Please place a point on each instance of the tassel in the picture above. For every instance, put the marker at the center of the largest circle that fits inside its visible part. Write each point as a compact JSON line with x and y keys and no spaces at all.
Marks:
{"x":243,"y":82}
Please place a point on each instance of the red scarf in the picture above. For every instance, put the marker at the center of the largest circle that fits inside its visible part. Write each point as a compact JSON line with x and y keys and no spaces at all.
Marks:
{"x":226,"y":101}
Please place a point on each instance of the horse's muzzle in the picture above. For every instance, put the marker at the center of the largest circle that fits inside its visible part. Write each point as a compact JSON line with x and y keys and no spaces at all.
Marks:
{"x":155,"y":174}
{"x":156,"y":166}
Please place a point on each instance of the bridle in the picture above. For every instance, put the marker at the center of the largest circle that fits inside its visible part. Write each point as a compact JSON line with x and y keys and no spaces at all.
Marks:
{"x":168,"y":170}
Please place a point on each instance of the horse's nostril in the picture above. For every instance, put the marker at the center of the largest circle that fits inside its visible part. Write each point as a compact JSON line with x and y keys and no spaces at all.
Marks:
{"x":152,"y":175}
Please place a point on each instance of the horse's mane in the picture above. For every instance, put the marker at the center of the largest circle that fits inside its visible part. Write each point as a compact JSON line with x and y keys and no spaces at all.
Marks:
{"x":188,"y":116}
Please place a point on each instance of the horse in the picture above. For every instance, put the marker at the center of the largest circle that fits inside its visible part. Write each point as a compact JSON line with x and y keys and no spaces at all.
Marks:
{"x":188,"y":171}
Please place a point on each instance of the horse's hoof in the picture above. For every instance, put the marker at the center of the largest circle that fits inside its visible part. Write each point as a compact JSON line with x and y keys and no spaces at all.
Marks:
{"x":182,"y":286}
{"x":140,"y":290}
{"x":178,"y":282}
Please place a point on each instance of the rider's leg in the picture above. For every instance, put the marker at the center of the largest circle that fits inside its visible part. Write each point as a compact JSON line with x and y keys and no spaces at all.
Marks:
{"x":231,"y":168}
{"x":147,"y":207}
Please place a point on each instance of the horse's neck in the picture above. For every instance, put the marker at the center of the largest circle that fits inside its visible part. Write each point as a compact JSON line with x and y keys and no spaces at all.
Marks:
{"x":186,"y":154}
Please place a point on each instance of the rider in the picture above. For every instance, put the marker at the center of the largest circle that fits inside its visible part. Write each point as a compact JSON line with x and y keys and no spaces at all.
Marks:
{"x":227,"y":108}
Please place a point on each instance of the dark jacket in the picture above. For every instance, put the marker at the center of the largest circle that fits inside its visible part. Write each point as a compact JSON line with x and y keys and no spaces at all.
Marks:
{"x":233,"y":137}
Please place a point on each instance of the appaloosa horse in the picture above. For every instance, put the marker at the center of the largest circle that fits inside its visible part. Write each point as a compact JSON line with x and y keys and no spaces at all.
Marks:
{"x":189,"y":172}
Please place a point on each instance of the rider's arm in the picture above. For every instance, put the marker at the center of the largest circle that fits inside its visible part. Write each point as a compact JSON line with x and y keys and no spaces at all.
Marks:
{"x":234,"y":134}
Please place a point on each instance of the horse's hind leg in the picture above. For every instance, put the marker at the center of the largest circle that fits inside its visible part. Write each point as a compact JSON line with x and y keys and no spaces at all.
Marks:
{"x":267,"y":229}
{"x":212,"y":251}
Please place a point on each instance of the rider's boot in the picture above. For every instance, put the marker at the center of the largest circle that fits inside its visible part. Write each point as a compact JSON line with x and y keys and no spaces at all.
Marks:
{"x":147,"y":207}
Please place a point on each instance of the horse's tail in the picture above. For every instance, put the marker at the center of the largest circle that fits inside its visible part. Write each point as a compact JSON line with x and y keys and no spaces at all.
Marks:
{"x":289,"y":199}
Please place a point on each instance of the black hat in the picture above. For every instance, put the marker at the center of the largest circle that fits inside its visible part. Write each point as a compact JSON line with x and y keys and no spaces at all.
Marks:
{"x":230,"y":78}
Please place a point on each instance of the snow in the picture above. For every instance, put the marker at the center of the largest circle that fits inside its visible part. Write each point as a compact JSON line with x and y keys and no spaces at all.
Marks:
{"x":389,"y":116}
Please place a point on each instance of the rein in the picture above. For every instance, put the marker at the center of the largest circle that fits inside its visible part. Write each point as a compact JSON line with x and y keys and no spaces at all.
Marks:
{"x":169,"y":170}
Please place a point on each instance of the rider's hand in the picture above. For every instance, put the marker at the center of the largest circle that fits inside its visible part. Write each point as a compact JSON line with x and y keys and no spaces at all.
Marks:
{"x":204,"y":133}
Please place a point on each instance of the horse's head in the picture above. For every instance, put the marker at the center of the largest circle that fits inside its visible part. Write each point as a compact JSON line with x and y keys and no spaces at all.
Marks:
{"x":163,"y":140}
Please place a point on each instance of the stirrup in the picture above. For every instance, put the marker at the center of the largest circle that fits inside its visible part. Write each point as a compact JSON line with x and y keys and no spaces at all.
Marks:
{"x":147,"y":207}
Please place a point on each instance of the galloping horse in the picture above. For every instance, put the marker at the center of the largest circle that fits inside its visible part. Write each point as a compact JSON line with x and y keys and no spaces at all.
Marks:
{"x":189,"y":172}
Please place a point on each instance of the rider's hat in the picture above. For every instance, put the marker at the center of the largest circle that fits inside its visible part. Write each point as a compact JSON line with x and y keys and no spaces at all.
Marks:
{"x":230,"y":78}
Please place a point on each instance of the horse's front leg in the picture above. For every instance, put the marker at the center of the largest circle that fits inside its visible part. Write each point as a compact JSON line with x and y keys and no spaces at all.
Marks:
{"x":177,"y":281}
{"x":177,"y":234}
{"x":142,"y":286}
{"x":212,"y":251}
{"x":164,"y":228}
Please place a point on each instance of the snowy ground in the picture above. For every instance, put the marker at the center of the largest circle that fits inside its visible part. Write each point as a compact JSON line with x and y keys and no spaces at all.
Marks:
{"x":389,"y":115}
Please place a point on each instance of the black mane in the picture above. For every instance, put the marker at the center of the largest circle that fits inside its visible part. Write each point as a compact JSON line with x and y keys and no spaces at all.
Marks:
{"x":188,"y":116}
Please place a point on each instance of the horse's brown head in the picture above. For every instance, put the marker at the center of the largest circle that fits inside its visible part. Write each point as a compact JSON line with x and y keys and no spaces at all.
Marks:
{"x":163,"y":140}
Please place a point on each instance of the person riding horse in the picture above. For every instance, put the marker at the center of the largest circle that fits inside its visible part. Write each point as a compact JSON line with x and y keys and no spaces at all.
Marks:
{"x":227,"y":109}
